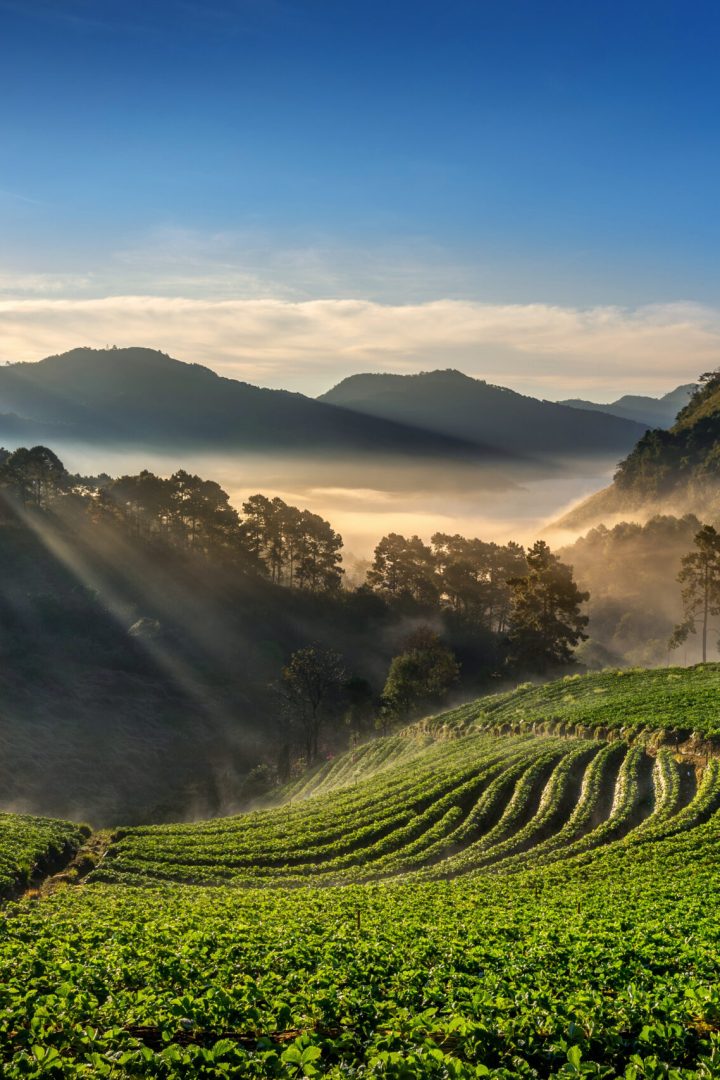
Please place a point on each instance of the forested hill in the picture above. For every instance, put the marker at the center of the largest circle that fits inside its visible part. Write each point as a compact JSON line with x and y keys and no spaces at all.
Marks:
{"x":145,"y":398}
{"x":449,"y":402}
{"x":677,"y":469}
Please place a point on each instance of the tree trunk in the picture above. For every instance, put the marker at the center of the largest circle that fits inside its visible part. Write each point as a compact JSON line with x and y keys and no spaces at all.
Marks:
{"x":706,"y":606}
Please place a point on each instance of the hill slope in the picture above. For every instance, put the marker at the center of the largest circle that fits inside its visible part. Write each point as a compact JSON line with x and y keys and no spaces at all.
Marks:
{"x":648,"y":411}
{"x":678,"y":469}
{"x":449,"y":402}
{"x":146,"y":398}
{"x":500,"y":786}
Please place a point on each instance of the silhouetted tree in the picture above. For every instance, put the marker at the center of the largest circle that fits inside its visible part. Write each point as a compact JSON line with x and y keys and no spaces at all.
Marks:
{"x":359,"y":705}
{"x":474,"y":577}
{"x":145,"y":500}
{"x":297,"y":548}
{"x":310,"y":681}
{"x":700,"y":574}
{"x":34,"y":477}
{"x":546,"y":624}
{"x":419,"y":676}
{"x":403,"y":567}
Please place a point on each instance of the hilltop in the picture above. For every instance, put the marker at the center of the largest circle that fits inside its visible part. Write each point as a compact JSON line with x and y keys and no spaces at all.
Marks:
{"x":145,"y":398}
{"x":448,"y":402}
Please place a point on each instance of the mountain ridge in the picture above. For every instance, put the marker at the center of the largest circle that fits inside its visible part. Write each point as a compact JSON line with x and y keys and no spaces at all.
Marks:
{"x":147,"y":397}
{"x":448,"y":400}
{"x":653,"y":412}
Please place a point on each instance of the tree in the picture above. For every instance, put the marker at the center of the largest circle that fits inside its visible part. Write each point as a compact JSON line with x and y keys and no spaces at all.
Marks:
{"x":404,"y":567}
{"x":310,"y":682}
{"x":545,"y":619}
{"x":296,"y":547}
{"x":474,"y":575}
{"x":420,"y":675}
{"x":144,"y":500}
{"x":700,"y":574}
{"x":359,"y":705}
{"x":35,"y":476}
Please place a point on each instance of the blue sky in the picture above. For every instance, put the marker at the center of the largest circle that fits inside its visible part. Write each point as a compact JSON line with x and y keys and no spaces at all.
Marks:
{"x":495,"y":153}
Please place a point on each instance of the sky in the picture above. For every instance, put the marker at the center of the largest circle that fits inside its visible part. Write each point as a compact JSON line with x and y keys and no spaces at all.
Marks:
{"x":294,"y":190}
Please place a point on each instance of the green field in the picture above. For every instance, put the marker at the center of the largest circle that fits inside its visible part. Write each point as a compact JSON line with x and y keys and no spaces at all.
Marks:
{"x":525,"y":886}
{"x":31,"y":847}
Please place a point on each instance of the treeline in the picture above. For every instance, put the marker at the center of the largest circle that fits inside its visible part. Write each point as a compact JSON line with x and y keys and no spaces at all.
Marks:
{"x":683,"y":459}
{"x":144,"y":589}
{"x":289,"y":546}
{"x":471,"y":577}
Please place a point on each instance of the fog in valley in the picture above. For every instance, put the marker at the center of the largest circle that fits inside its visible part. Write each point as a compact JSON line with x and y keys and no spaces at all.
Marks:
{"x":366,"y":498}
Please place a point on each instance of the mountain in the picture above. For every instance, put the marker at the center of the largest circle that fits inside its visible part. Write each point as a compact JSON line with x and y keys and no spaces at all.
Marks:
{"x":677,"y":469}
{"x":448,"y":402}
{"x":651,"y":412}
{"x":144,"y":397}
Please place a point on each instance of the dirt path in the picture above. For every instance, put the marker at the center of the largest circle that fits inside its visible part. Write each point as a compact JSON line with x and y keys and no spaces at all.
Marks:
{"x":85,"y":859}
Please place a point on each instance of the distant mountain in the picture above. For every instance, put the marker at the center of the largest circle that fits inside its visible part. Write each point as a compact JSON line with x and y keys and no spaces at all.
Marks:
{"x":448,"y":402}
{"x":651,"y":412}
{"x":144,"y":397}
{"x":677,"y":469}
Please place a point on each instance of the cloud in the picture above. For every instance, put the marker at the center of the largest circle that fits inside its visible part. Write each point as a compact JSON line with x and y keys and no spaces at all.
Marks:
{"x":311,"y":344}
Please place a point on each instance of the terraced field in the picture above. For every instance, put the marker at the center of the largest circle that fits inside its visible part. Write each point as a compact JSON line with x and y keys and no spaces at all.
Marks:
{"x":475,"y":804}
{"x":31,"y":847}
{"x":526,"y":886}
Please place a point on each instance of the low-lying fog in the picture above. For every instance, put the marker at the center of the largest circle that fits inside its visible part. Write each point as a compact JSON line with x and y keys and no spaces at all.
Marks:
{"x":363,"y":500}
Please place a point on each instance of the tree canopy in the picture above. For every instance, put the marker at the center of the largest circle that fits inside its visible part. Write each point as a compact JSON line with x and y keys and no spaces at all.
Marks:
{"x":546,"y":623}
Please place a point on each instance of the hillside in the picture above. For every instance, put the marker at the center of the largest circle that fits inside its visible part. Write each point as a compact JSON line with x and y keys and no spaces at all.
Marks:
{"x":526,"y":887}
{"x":449,"y":402}
{"x":144,"y":398}
{"x":675,"y":469}
{"x":650,"y":412}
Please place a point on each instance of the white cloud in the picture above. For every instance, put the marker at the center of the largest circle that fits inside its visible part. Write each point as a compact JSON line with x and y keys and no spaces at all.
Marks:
{"x":309,"y":345}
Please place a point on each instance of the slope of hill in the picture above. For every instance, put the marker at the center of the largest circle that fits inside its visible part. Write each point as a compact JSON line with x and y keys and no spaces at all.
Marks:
{"x":500,"y":785}
{"x":449,"y":402}
{"x":530,"y":902}
{"x":146,"y":398}
{"x":678,"y":469}
{"x":648,"y":411}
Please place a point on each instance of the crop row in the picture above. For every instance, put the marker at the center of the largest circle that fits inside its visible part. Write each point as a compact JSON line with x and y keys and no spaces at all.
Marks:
{"x":32,"y":846}
{"x":604,"y":969}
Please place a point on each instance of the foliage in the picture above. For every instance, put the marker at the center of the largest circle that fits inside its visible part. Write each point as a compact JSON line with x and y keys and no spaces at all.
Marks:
{"x":474,"y":577}
{"x":420,"y":675}
{"x":296,"y":547}
{"x":467,"y":576}
{"x":677,"y":701}
{"x":31,"y":846}
{"x":602,"y":968}
{"x":545,"y":619}
{"x":310,"y":681}
{"x":700,"y":576}
{"x":403,"y":567}
{"x":513,"y":905}
{"x":685,"y":457}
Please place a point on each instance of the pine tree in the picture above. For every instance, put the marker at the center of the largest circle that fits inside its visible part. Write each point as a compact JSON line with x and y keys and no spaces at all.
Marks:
{"x":700,"y":574}
{"x":545,"y":624}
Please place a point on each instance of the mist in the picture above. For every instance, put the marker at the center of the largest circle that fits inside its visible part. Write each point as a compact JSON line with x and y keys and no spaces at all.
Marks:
{"x":365,"y":497}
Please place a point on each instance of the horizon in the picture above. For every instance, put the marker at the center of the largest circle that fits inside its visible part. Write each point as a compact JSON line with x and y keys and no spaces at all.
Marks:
{"x":285,"y":194}
{"x":218,"y":370}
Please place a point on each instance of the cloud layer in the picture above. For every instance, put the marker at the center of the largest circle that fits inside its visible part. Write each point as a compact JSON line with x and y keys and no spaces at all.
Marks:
{"x":309,"y":345}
